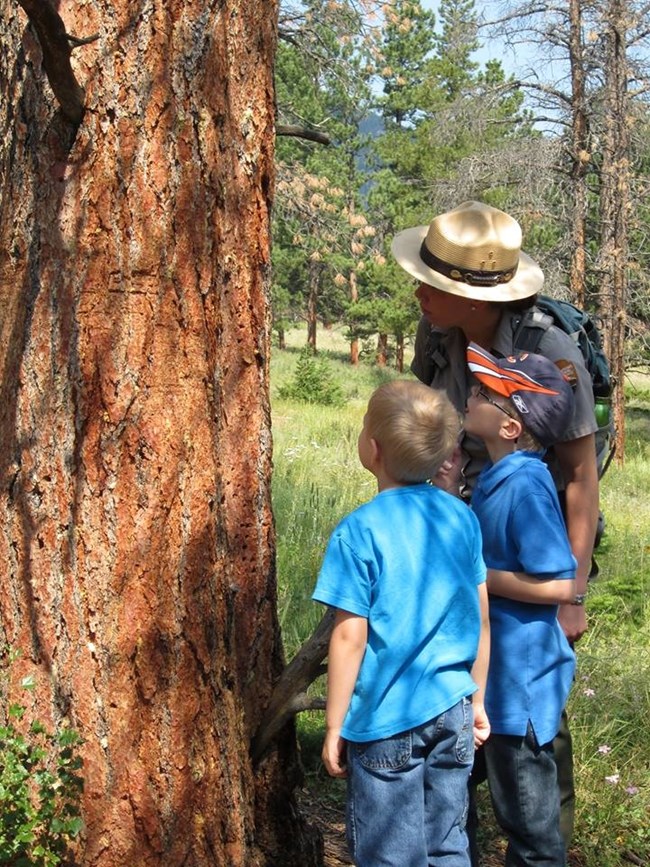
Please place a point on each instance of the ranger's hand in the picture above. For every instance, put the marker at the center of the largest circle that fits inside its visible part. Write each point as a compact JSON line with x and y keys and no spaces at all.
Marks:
{"x":573,"y":620}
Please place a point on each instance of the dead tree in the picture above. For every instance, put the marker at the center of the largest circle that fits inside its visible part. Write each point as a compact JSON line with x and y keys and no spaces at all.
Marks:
{"x":580,"y":158}
{"x":615,"y":205}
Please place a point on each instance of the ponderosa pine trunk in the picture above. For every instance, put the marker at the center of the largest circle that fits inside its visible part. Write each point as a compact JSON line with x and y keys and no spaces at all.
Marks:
{"x":399,"y":353}
{"x":381,"y":358}
{"x":354,"y":297}
{"x":615,"y":206}
{"x":136,"y":534}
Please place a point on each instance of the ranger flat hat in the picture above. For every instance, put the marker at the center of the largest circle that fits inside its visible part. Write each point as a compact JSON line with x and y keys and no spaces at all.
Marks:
{"x":473,"y":251}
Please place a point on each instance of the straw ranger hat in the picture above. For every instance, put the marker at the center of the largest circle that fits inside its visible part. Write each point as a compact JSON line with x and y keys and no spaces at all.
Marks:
{"x":473,"y":251}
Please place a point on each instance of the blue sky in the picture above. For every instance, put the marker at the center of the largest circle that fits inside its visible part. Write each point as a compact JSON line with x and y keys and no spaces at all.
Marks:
{"x":496,"y":51}
{"x":528,"y":62}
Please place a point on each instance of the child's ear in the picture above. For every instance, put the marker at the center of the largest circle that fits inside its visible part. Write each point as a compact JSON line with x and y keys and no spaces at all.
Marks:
{"x":375,"y":450}
{"x":511,"y":429}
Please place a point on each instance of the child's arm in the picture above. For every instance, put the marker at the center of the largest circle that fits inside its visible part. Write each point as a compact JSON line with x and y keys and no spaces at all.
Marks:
{"x":346,"y":649}
{"x":480,"y":670}
{"x":525,"y":588}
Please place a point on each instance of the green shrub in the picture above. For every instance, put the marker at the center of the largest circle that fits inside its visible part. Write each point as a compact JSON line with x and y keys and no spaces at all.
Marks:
{"x":40,"y":788}
{"x":313,"y":382}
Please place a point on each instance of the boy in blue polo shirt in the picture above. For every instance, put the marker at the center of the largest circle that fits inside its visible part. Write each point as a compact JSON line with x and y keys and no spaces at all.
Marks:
{"x":519,"y":407}
{"x":408,"y":653}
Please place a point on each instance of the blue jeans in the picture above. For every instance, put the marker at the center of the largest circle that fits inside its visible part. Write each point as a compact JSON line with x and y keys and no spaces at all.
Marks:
{"x":407,"y":794}
{"x":525,"y":796}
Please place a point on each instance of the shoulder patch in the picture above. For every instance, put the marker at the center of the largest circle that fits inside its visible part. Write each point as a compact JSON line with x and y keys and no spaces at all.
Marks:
{"x":568,"y":370}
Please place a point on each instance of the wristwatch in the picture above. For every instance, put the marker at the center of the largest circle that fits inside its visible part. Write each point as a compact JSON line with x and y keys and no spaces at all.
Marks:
{"x":579,"y":599}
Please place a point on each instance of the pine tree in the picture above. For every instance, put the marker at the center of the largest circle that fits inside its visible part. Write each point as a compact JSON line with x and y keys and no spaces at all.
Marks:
{"x":319,"y":222}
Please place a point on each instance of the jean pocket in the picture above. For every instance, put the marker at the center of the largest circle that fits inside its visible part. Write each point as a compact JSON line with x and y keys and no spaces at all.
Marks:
{"x":465,"y":742}
{"x":389,"y":753}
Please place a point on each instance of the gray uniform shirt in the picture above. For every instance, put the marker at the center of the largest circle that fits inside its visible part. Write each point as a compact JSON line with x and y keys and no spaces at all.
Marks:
{"x":440,"y":361}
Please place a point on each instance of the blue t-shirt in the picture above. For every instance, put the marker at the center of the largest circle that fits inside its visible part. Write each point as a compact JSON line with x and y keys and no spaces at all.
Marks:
{"x":531,"y":662}
{"x":409,"y":561}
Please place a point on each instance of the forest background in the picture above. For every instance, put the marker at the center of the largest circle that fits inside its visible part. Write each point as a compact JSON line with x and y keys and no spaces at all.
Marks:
{"x":139,"y":170}
{"x":385,"y":119}
{"x":388,"y":116}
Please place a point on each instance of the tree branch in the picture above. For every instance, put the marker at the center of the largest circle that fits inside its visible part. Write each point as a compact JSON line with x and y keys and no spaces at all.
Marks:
{"x":307,"y":702}
{"x":289,"y":693}
{"x":56,"y":48}
{"x":76,"y":41}
{"x":303,"y":132}
{"x":545,"y":89}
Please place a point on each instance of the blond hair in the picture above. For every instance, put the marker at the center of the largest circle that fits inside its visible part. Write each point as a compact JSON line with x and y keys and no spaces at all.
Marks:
{"x":416,"y":426}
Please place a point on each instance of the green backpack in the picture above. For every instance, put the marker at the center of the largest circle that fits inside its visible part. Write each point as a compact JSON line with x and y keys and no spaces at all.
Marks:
{"x":582,"y":328}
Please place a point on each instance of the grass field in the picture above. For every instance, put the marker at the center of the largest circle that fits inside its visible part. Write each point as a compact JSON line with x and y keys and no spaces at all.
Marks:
{"x":317,"y":480}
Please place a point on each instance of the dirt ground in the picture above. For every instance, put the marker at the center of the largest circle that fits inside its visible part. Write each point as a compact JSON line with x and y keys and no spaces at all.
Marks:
{"x":330,"y":820}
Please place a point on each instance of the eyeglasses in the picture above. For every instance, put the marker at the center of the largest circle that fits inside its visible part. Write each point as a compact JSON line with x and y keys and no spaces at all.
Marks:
{"x":481,"y":393}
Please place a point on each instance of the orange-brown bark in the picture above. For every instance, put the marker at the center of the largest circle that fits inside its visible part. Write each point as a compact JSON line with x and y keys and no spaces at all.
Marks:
{"x":615,"y":208}
{"x":136,"y":532}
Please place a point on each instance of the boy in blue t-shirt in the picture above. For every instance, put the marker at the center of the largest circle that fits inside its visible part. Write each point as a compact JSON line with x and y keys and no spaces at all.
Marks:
{"x":410,"y":641}
{"x":519,"y":407}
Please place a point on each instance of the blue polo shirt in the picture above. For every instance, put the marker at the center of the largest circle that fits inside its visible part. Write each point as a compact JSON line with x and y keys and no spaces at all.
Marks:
{"x":409,"y":561}
{"x":531,"y":662}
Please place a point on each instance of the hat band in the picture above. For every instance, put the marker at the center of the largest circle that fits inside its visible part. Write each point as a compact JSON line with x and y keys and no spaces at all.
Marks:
{"x":473,"y":278}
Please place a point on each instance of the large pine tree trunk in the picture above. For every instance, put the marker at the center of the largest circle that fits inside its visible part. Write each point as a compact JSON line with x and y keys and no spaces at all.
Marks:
{"x":615,"y":207}
{"x":136,"y":534}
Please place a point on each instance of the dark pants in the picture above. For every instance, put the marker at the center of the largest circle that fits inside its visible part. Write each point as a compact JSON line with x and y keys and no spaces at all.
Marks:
{"x":563,"y":751}
{"x":524,"y":781}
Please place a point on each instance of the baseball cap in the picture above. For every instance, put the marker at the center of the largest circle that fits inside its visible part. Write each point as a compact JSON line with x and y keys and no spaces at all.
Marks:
{"x":535,"y":387}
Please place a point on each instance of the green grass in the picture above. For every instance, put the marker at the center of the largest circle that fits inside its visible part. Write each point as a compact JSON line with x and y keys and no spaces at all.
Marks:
{"x":611,"y":697}
{"x":317,"y":477}
{"x":317,"y":480}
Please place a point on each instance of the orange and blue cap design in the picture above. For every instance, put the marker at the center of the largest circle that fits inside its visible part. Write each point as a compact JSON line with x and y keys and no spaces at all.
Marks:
{"x":537,"y":389}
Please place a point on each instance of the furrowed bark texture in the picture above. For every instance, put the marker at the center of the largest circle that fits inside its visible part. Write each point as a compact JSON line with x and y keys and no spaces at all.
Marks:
{"x":615,"y":207}
{"x":136,"y":536}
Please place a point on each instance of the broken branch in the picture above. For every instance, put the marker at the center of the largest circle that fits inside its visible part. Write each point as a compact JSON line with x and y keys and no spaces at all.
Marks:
{"x":303,"y":132}
{"x":56,"y":48}
{"x":289,"y":695}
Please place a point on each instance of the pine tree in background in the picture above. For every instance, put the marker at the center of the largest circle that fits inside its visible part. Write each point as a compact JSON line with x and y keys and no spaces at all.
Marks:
{"x":406,"y":44}
{"x":318,"y":207}
{"x":442,"y":128}
{"x":455,"y":45}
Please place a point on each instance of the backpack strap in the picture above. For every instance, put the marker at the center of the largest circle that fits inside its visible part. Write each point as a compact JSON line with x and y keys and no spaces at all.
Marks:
{"x":529,"y":329}
{"x":435,"y":350}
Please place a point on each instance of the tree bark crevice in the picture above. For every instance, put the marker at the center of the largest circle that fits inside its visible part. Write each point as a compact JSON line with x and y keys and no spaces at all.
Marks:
{"x":137,"y":530}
